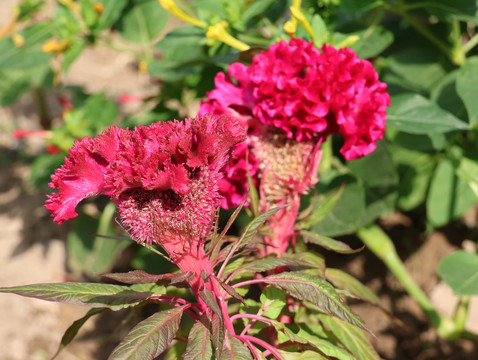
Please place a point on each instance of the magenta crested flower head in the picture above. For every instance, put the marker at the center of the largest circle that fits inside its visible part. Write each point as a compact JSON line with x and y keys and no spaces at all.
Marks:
{"x":163,"y":177}
{"x":290,"y":98}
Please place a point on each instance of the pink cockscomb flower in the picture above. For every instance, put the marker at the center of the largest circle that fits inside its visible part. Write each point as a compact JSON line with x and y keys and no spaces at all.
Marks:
{"x":163,"y":177}
{"x":291,"y":97}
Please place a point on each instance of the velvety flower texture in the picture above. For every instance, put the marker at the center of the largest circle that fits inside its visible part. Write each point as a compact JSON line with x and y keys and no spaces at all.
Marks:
{"x":163,"y":178}
{"x":292,"y":96}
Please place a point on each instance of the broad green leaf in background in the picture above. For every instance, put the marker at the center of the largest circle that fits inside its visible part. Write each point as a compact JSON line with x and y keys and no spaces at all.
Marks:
{"x":415,"y":114}
{"x":453,"y":9}
{"x":373,"y":40}
{"x":467,"y":87}
{"x":379,"y":179}
{"x":353,"y":338}
{"x":319,"y":292}
{"x":449,"y":195}
{"x":256,"y":8}
{"x":359,"y":5}
{"x":415,"y":68}
{"x":199,"y":343}
{"x":445,"y":94}
{"x":347,"y":215}
{"x":30,"y":54}
{"x":150,"y":337}
{"x":111,"y":13}
{"x":468,"y":171}
{"x":72,"y":52}
{"x":460,"y":271}
{"x":143,"y":22}
{"x":114,"y":297}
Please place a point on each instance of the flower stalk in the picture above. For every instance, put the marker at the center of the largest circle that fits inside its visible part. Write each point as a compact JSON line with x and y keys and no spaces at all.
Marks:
{"x":382,"y":246}
{"x":218,"y":32}
{"x":170,"y":5}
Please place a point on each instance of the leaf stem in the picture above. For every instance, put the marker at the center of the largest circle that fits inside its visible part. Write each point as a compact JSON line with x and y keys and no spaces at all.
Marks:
{"x":461,"y":313}
{"x":470,"y":44}
{"x":382,"y":246}
{"x":262,"y":343}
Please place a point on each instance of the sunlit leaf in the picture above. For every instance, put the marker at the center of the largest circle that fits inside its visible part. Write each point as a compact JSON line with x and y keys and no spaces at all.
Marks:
{"x":460,"y":271}
{"x":199,"y":343}
{"x":150,"y":337}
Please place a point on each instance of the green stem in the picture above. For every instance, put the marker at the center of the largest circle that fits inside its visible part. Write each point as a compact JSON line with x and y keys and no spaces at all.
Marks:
{"x":426,"y":33}
{"x":457,"y":54}
{"x":461,"y":313}
{"x":470,"y":44}
{"x":327,"y":155}
{"x":42,"y":108}
{"x":382,"y":246}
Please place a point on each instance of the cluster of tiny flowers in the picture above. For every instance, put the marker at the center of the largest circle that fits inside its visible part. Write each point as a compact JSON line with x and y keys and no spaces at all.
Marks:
{"x":304,"y":93}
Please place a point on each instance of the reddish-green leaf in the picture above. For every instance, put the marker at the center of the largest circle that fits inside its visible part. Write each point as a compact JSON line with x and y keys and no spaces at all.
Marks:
{"x":347,"y":282}
{"x":199,"y":343}
{"x":150,"y":337}
{"x":71,"y":332}
{"x":234,"y":349}
{"x":136,"y":277}
{"x":114,"y":297}
{"x":328,"y":243}
{"x":351,"y":337}
{"x":319,"y":292}
{"x":306,"y":355}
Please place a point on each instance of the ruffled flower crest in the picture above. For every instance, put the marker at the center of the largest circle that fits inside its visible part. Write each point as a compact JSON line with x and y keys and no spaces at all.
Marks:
{"x":163,"y":178}
{"x":296,"y":95}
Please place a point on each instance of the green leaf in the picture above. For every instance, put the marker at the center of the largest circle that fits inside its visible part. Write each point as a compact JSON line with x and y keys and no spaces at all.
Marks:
{"x":143,"y":22}
{"x":347,"y":215}
{"x":150,"y":337}
{"x":416,"y":68}
{"x":415,"y":114}
{"x":199,"y":343}
{"x":306,"y":355}
{"x":111,"y":13}
{"x":445,"y":94}
{"x":114,"y":297}
{"x":315,"y":335}
{"x":71,"y":53}
{"x":324,"y":208}
{"x":71,"y":332}
{"x":468,"y":171}
{"x":373,"y":40}
{"x":467,"y":87}
{"x":460,"y":272}
{"x":30,"y":54}
{"x":328,"y":243}
{"x":273,"y":301}
{"x":356,"y":6}
{"x":353,"y":338}
{"x":297,"y":261}
{"x":449,"y":196}
{"x":342,"y":280}
{"x":319,"y":292}
{"x":136,"y":277}
{"x":256,"y":8}
{"x":88,"y":12}
{"x":234,"y":349}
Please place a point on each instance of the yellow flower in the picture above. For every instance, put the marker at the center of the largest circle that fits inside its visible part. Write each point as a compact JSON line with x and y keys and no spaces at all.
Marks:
{"x":219,"y":32}
{"x":290,"y":28}
{"x":55,"y":46}
{"x":99,"y":7}
{"x":169,"y":5}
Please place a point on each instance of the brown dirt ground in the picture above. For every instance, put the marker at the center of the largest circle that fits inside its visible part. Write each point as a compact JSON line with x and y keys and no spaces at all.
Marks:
{"x":33,"y":250}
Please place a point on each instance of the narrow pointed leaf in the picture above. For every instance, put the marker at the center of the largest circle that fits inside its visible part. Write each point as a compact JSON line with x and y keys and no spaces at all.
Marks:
{"x":150,"y":337}
{"x":351,"y":337}
{"x":199,"y":343}
{"x":347,"y":282}
{"x":328,"y":243}
{"x":216,"y":327}
{"x":136,"y":277}
{"x":269,"y":263}
{"x":319,"y":292}
{"x":231,"y":291}
{"x":210,"y":299}
{"x":71,"y":332}
{"x":257,"y":222}
{"x":114,"y":297}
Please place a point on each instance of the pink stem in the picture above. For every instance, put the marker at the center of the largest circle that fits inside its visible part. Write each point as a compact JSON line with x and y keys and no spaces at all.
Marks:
{"x":262,"y":343}
{"x":248,"y":282}
{"x":252,"y":316}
